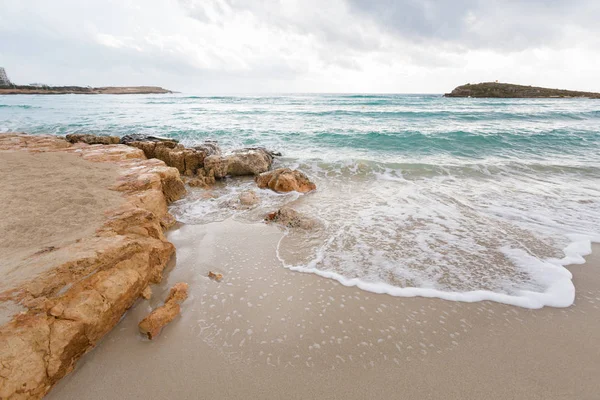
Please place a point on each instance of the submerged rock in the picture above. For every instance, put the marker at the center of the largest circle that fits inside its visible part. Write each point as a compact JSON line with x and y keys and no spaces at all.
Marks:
{"x":285,"y":180}
{"x":157,"y":319}
{"x":92,"y":139}
{"x":248,"y":198}
{"x":291,"y":218}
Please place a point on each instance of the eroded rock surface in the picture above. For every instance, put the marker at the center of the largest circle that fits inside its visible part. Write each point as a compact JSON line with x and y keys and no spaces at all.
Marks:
{"x":158,"y":318}
{"x":92,"y":139}
{"x":285,"y":180}
{"x":291,"y":218}
{"x":85,"y":287}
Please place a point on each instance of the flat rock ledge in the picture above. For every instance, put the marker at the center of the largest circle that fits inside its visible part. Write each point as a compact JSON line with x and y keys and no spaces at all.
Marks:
{"x":68,"y":307}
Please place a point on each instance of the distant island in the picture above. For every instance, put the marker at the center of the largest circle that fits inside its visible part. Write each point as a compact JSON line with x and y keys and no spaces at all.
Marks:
{"x":507,"y":90}
{"x":31,"y":89}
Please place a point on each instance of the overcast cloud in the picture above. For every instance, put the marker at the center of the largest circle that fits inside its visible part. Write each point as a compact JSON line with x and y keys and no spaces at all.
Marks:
{"x":235,"y":46}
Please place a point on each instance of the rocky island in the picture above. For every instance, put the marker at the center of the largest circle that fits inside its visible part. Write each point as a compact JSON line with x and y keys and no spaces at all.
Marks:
{"x":30,"y":89}
{"x":507,"y":90}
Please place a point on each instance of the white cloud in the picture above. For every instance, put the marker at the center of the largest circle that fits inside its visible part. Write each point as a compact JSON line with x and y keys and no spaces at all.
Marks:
{"x":295,"y":45}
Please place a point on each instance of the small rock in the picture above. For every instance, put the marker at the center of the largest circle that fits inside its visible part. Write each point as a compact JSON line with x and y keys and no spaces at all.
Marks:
{"x":291,"y":218}
{"x":215,"y":276}
{"x":285,"y":180}
{"x":248,"y":198}
{"x":147,"y":292}
{"x":157,"y":319}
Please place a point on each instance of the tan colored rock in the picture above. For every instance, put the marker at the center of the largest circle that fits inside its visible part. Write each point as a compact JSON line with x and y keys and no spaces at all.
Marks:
{"x":92,"y":139}
{"x":147,"y":293}
{"x":291,"y":218}
{"x":248,"y":162}
{"x":83,"y":288}
{"x":215,"y":276}
{"x":285,"y":180}
{"x":216,"y":167}
{"x":248,"y":198}
{"x":157,"y":319}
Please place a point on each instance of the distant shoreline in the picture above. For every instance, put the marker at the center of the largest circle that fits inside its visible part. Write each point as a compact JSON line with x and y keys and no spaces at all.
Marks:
{"x":509,"y":91}
{"x":26,"y":89}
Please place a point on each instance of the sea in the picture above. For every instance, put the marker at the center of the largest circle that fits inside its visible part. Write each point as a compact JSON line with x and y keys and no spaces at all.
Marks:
{"x":417,"y":195}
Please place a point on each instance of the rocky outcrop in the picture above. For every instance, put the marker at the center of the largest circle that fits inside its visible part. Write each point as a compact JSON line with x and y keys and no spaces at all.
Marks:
{"x":86,"y":286}
{"x":158,"y":318}
{"x":27,"y":89}
{"x":205,"y":161}
{"x":507,"y":90}
{"x":285,"y":180}
{"x":291,"y":218}
{"x":92,"y":139}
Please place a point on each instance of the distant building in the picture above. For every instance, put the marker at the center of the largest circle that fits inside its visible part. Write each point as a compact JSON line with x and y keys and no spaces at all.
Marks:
{"x":3,"y":78}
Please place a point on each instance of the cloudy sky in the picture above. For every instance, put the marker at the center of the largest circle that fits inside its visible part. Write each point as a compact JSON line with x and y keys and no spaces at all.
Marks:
{"x":265,"y":46}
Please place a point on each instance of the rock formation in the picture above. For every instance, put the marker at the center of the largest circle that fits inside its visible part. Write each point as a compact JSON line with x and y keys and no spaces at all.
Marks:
{"x":507,"y":90}
{"x":291,"y":218}
{"x":285,"y":180}
{"x":158,"y":318}
{"x":92,"y":139}
{"x":85,"y":287}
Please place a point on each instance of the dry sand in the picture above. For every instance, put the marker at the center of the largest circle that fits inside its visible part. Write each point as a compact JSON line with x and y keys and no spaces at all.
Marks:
{"x":268,"y":333}
{"x":49,"y":200}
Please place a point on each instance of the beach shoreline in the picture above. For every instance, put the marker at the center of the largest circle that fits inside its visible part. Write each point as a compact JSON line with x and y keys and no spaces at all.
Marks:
{"x":269,"y":332}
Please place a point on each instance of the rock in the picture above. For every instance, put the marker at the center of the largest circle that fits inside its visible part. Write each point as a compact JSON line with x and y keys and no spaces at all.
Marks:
{"x":248,"y":162}
{"x":92,"y":139}
{"x":157,"y":319}
{"x":285,"y":180}
{"x":82,"y":289}
{"x":215,"y":276}
{"x":210,"y":148}
{"x":147,"y":292}
{"x":127,"y":139}
{"x":215,"y":167}
{"x":248,"y":198}
{"x":291,"y":218}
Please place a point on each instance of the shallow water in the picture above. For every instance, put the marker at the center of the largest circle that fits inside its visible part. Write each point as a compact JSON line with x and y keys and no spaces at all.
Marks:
{"x":463,"y":199}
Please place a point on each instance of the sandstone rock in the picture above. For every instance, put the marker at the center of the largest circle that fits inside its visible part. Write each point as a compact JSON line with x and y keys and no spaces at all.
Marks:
{"x":210,"y":148}
{"x":215,"y":276}
{"x":157,"y":319}
{"x":86,"y":286}
{"x":248,"y":198}
{"x":285,"y":180}
{"x":147,"y":293}
{"x":136,"y":137}
{"x":248,"y":162}
{"x":92,"y":139}
{"x":216,"y":167}
{"x":291,"y":218}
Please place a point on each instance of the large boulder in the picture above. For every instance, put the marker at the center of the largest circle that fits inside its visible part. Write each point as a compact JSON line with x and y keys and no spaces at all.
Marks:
{"x":291,"y":218}
{"x":285,"y":180}
{"x":248,"y":162}
{"x":92,"y":139}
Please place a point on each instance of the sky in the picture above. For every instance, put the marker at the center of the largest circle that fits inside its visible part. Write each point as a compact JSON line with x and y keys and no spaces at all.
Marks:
{"x":302,"y":46}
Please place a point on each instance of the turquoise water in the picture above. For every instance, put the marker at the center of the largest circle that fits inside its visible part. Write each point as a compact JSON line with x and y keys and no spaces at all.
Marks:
{"x":465,"y":199}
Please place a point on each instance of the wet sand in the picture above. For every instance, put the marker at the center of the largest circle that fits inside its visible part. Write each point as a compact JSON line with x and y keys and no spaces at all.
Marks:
{"x":268,"y":333}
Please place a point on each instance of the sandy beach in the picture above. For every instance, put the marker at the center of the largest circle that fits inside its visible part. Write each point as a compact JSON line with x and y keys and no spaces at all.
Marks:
{"x":266,"y":332}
